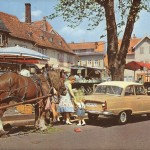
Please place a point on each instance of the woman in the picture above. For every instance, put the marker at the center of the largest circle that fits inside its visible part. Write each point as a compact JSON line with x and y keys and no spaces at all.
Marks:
{"x":66,"y":105}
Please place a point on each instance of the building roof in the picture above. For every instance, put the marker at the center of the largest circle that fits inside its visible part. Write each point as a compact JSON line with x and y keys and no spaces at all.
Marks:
{"x":34,"y":33}
{"x":140,"y":41}
{"x":43,"y":25}
{"x":3,"y":27}
{"x":133,"y":42}
{"x":97,"y":46}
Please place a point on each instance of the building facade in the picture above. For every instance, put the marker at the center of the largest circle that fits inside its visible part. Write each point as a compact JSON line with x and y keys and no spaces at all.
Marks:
{"x":90,"y":54}
{"x":38,"y":36}
{"x":139,"y":51}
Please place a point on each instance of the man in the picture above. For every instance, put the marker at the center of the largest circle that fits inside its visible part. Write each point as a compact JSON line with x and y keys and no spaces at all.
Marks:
{"x":24,"y":71}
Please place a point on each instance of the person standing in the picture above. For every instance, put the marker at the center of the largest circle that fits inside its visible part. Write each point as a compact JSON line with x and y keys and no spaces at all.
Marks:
{"x":24,"y":71}
{"x":80,"y":111}
{"x":66,"y":105}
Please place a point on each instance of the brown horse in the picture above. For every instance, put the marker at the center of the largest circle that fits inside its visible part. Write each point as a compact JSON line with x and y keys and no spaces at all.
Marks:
{"x":17,"y":88}
{"x":55,"y":82}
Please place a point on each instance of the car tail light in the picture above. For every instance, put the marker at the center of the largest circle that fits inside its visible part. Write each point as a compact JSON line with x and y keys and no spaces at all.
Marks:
{"x":104,"y":106}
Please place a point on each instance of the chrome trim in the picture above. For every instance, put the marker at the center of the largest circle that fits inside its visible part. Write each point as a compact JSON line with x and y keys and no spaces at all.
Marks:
{"x":105,"y":113}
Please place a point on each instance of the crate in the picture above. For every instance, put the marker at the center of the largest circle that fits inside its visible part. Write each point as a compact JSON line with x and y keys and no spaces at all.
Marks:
{"x":25,"y":109}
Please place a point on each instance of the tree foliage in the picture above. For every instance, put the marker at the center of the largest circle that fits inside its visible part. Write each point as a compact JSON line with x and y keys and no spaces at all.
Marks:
{"x":116,"y":13}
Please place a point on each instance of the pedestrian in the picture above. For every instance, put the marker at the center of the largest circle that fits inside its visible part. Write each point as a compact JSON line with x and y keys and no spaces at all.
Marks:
{"x":63,"y":76}
{"x":80,"y":110}
{"x":24,"y":71}
{"x":66,"y":104}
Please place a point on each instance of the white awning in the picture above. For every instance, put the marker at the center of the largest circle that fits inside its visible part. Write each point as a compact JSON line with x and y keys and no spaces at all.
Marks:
{"x":21,"y":52}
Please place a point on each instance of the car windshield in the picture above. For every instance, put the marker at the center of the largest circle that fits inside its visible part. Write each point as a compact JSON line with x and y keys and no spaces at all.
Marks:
{"x":106,"y":89}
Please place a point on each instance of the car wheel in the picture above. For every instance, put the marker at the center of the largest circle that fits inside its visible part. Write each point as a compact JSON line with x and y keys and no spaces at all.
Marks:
{"x":92,"y":116}
{"x":123,"y":117}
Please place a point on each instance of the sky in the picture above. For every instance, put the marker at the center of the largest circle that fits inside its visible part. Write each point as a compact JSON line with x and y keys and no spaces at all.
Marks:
{"x":41,"y":8}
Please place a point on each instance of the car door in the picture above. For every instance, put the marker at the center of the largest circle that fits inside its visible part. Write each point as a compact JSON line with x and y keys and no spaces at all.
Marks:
{"x":133,"y":101}
{"x":143,"y":97}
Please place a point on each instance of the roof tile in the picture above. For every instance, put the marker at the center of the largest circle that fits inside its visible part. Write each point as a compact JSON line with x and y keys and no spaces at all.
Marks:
{"x":34,"y":33}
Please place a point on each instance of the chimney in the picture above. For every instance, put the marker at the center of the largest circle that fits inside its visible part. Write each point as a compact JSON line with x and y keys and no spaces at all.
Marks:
{"x":134,"y":36}
{"x":27,"y":12}
{"x":44,"y":24}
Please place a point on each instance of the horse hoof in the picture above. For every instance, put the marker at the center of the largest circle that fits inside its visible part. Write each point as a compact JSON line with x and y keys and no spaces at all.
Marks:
{"x":3,"y":133}
{"x":43,"y":128}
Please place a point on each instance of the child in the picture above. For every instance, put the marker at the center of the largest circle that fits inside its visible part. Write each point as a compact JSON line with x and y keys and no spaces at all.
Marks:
{"x":80,"y":111}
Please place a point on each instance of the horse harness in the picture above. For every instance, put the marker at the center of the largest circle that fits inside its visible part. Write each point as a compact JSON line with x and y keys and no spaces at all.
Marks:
{"x":11,"y":92}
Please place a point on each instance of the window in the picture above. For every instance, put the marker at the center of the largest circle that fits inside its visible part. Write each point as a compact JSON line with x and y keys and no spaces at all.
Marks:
{"x":83,"y":62}
{"x":51,"y":39}
{"x":61,"y":57}
{"x":60,"y":42}
{"x":96,"y":63}
{"x":2,"y":39}
{"x":39,"y":50}
{"x":141,"y":50}
{"x":129,"y":91}
{"x":89,"y":62}
{"x":139,"y":90}
{"x":115,"y":90}
{"x":45,"y":51}
{"x":69,"y":58}
{"x":42,"y":51}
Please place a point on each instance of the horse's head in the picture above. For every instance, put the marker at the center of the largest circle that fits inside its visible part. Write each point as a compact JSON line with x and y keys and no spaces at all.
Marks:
{"x":56,"y":81}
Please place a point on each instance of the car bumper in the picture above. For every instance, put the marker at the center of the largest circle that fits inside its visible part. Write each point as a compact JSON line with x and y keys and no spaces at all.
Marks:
{"x":102,"y":114}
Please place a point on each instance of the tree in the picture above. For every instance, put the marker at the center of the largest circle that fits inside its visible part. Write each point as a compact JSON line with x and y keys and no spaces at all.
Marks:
{"x":75,"y":11}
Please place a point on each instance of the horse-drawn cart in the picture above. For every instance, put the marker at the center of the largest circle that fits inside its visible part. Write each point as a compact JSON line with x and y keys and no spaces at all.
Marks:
{"x":21,"y":113}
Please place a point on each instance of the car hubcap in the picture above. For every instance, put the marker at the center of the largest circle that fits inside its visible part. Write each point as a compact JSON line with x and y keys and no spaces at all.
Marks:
{"x":123,"y":117}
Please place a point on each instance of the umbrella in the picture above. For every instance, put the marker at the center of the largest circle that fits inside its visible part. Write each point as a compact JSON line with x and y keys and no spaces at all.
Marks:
{"x":21,"y":53}
{"x":133,"y":65}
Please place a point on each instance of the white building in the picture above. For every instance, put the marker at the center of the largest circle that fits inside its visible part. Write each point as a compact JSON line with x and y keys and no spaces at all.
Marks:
{"x":139,"y":51}
{"x":90,"y":54}
{"x":38,"y":36}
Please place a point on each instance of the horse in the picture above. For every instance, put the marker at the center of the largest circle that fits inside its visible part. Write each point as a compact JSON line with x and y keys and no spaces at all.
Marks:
{"x":18,"y":88}
{"x":55,"y":82}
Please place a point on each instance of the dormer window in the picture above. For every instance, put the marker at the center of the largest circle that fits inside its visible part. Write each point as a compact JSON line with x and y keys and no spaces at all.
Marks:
{"x":42,"y":37}
{"x":52,"y":32}
{"x":51,"y":39}
{"x":30,"y":34}
{"x":60,"y":42}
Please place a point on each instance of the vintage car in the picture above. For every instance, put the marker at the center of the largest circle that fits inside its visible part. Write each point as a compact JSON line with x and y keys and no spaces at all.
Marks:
{"x":119,"y":99}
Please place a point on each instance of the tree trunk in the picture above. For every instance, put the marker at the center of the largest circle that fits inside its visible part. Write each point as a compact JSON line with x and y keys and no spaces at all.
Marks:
{"x":112,"y":40}
{"x":116,"y":57}
{"x":121,"y":57}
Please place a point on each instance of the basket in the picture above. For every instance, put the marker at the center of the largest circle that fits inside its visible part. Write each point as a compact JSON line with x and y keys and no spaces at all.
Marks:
{"x":25,"y":109}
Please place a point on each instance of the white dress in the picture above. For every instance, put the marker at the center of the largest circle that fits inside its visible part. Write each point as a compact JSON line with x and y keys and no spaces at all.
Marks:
{"x":66,"y":104}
